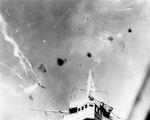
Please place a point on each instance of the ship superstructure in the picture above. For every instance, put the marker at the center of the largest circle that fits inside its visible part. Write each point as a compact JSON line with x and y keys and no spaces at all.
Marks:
{"x":87,"y":108}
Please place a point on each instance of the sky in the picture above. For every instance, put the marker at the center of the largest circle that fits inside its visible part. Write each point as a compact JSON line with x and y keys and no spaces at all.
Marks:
{"x":47,"y":48}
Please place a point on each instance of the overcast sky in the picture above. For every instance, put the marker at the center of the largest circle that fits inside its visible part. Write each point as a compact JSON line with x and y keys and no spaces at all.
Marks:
{"x":63,"y":40}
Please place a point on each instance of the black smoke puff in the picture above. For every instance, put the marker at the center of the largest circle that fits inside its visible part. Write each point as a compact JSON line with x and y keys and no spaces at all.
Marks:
{"x":31,"y":97}
{"x":42,"y":68}
{"x":129,"y":30}
{"x":89,"y":54}
{"x":61,"y":61}
{"x":110,"y":38}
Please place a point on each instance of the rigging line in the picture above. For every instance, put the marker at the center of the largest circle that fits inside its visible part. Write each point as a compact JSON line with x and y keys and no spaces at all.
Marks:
{"x":119,"y":117}
{"x":115,"y":115}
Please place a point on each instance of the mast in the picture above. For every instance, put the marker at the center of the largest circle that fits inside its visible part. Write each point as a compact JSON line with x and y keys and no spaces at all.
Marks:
{"x":90,"y":85}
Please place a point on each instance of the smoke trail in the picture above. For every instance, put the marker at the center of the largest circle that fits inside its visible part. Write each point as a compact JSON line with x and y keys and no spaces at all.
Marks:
{"x":13,"y":71}
{"x":26,"y":65}
{"x":30,"y":89}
